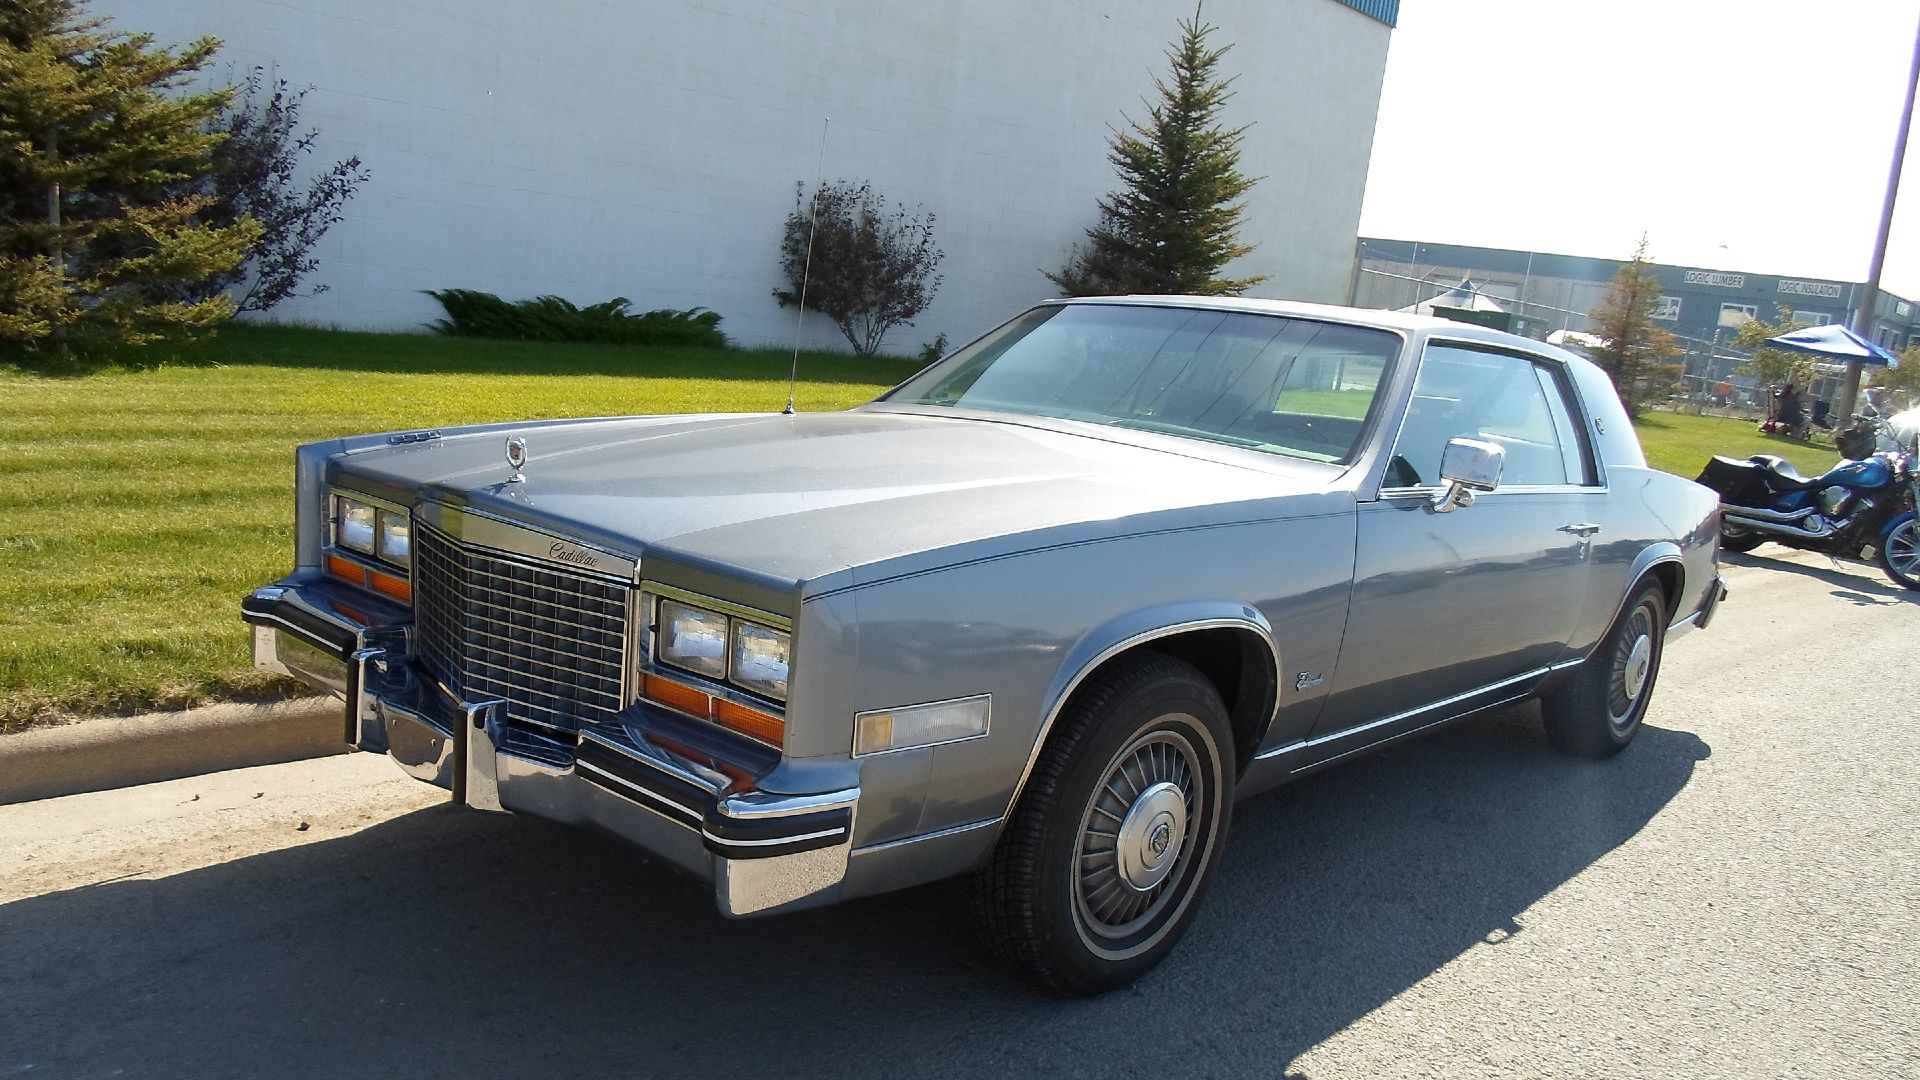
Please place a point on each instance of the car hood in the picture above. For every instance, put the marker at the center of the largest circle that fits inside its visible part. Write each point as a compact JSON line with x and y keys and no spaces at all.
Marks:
{"x":804,"y":499}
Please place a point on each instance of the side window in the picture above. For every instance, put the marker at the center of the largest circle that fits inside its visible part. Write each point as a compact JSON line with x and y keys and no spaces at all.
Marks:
{"x":1575,"y":454}
{"x":1497,"y":397}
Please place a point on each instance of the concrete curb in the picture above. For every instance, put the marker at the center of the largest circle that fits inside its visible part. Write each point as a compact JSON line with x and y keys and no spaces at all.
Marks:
{"x":93,"y":755}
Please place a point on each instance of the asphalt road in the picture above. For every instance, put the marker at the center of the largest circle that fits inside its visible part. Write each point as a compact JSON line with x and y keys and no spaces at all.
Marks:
{"x":1737,"y":895}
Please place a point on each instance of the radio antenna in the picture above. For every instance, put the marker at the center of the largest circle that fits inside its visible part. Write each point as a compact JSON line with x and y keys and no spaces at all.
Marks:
{"x":806,"y":269}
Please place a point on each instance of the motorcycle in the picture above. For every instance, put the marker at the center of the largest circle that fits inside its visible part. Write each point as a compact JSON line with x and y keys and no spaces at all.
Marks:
{"x":1867,"y":500}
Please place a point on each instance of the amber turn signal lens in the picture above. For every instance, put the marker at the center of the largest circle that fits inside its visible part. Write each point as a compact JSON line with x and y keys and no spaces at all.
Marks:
{"x":388,"y":585}
{"x":752,"y":723}
{"x":347,"y":570}
{"x":676,"y":696}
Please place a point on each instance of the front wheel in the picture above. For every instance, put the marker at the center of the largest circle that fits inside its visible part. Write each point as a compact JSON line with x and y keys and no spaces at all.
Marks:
{"x":1598,"y":713}
{"x":1900,"y":553}
{"x":1110,"y":848}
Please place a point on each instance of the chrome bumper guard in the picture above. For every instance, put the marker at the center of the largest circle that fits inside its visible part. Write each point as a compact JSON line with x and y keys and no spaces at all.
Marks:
{"x":1698,"y":618}
{"x":1714,"y":595}
{"x":763,"y":852}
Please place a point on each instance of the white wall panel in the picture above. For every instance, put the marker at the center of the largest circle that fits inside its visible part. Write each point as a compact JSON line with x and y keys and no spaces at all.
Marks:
{"x":649,"y":150}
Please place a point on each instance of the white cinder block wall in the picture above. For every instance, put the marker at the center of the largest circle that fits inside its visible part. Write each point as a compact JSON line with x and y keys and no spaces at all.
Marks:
{"x":594,"y":148}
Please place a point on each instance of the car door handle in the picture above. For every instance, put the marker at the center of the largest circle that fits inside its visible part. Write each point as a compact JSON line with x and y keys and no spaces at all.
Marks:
{"x":1580,"y":529}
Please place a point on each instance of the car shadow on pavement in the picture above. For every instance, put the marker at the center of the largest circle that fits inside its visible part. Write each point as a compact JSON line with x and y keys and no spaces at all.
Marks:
{"x":1857,"y":582}
{"x":450,"y":943}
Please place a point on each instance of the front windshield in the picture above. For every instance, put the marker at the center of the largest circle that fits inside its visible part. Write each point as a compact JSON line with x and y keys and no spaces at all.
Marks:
{"x":1265,"y":382}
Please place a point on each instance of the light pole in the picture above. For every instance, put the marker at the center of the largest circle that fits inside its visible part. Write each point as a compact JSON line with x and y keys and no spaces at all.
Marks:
{"x":1870,"y":295}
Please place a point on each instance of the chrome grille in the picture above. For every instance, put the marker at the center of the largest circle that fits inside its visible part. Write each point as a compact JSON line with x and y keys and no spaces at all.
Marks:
{"x":549,"y":641}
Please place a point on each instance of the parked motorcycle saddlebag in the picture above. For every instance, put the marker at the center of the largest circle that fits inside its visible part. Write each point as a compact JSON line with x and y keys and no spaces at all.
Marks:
{"x":1741,"y":483}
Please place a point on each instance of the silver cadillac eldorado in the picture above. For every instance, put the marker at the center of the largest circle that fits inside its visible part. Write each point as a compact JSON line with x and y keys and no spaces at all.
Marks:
{"x":1039,"y":614}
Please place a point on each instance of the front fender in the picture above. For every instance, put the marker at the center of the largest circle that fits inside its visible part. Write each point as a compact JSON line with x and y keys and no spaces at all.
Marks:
{"x":1136,"y":628}
{"x":1898,"y":520}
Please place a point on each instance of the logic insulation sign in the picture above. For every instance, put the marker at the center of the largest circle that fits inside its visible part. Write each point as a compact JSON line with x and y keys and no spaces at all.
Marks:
{"x":1810,"y":288}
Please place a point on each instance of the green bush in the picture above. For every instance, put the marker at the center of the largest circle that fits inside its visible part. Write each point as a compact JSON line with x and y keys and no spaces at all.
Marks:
{"x":549,"y":318}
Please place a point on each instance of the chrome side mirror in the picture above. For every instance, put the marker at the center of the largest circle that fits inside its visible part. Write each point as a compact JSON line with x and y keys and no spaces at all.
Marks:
{"x":1468,"y":466}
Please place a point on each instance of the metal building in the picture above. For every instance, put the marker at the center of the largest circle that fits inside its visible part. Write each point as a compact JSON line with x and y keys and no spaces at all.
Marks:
{"x":1549,"y":292}
{"x":592,"y":148}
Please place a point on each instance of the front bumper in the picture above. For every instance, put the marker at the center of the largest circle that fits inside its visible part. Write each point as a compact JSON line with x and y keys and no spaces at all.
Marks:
{"x":646,"y":778}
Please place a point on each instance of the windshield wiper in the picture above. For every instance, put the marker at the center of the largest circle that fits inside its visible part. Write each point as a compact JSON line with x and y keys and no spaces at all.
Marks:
{"x":1163,"y":428}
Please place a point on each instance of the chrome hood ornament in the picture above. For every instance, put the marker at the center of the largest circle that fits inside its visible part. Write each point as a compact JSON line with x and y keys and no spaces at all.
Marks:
{"x":516,"y":458}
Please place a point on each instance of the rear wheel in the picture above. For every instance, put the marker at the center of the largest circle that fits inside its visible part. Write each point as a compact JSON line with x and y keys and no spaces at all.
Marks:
{"x":1105,"y":859}
{"x":1900,"y":553}
{"x":1599,"y":712}
{"x":1738,"y":537}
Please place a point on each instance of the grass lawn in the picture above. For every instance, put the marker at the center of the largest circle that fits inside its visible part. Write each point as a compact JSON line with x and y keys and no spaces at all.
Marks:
{"x":1682,"y":444}
{"x":139,"y":506}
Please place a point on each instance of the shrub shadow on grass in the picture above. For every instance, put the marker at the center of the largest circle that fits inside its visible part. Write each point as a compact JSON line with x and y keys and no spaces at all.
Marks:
{"x":349,"y":351}
{"x":439,"y":354}
{"x":451,"y":943}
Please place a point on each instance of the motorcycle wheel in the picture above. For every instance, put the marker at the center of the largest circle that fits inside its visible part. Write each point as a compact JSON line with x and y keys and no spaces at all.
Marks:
{"x":1736,"y":538}
{"x":1899,"y":554}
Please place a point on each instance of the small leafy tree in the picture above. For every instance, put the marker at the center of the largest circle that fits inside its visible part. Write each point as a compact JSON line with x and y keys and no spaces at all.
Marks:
{"x":254,"y":175}
{"x":1174,"y":227}
{"x":867,"y":269}
{"x":1771,"y":367}
{"x":1632,"y":349}
{"x":1906,"y":377}
{"x":95,"y":136}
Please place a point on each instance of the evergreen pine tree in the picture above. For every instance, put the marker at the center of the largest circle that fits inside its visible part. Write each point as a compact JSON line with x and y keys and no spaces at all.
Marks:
{"x":1173,"y":228}
{"x":95,"y":132}
{"x":1632,"y":349}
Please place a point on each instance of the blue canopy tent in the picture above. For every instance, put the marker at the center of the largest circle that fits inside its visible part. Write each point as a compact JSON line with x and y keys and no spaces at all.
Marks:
{"x":1835,"y":343}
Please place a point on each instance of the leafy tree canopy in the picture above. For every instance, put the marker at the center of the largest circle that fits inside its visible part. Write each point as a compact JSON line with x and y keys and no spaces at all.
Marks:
{"x":1772,"y":367}
{"x":1905,"y":377}
{"x":845,"y":255}
{"x":254,"y":174}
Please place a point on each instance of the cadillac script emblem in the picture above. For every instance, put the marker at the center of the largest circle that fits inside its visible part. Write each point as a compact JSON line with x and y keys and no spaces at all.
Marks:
{"x":561,"y":551}
{"x":516,"y":458}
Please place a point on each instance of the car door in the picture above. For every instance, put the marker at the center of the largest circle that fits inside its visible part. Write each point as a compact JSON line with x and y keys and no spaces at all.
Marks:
{"x":1451,"y":611}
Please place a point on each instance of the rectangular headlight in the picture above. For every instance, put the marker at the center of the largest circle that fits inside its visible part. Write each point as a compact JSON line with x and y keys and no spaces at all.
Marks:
{"x":921,"y":725}
{"x":692,"y":639}
{"x":396,"y":537}
{"x":759,"y":660}
{"x":353,"y":525}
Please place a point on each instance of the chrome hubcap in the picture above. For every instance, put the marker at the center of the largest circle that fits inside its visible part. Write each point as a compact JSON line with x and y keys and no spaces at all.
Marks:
{"x":1150,"y":836}
{"x":1637,"y":663}
{"x":1135,"y":835}
{"x":1632,"y":668}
